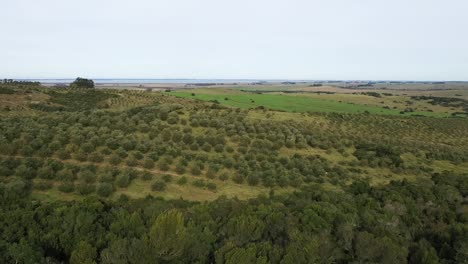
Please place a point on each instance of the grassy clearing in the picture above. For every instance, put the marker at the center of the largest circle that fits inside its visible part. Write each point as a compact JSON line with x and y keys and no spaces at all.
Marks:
{"x":290,"y":103}
{"x":139,"y":189}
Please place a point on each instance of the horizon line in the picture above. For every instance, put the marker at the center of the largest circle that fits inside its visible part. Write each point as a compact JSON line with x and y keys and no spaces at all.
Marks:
{"x":248,"y":79}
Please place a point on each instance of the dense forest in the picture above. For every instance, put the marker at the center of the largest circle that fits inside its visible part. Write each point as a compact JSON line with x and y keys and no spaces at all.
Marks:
{"x":332,"y":187}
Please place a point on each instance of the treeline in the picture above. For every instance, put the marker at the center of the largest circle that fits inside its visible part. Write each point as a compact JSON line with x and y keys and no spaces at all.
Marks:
{"x":402,"y":222}
{"x":8,"y":86}
{"x":12,"y":82}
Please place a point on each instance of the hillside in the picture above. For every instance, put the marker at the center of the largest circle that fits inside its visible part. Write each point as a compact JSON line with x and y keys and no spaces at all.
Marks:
{"x":253,"y":176}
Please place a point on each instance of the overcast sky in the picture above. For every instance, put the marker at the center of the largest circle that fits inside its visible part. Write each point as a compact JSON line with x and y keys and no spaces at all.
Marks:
{"x":270,"y":39}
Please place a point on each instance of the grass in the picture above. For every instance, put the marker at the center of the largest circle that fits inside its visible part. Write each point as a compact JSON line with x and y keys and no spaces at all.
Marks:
{"x":290,"y":103}
{"x":139,"y":189}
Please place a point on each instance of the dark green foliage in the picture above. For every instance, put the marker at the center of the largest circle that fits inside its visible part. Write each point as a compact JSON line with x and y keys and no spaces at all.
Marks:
{"x":105,"y":189}
{"x":199,"y":183}
{"x":167,"y":178}
{"x":224,"y":176}
{"x":122,"y":180}
{"x":82,"y":83}
{"x":85,"y":188}
{"x":66,"y":187}
{"x":158,"y":186}
{"x":400,"y":222}
{"x":182,"y":180}
{"x":42,"y":185}
{"x":211,"y":186}
{"x":163,"y":165}
{"x":147,"y":176}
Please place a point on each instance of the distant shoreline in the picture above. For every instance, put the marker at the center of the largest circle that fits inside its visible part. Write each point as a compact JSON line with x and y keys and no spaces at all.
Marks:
{"x":136,"y":81}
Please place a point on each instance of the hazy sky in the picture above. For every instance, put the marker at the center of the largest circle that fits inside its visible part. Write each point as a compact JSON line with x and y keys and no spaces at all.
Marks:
{"x":295,"y":39}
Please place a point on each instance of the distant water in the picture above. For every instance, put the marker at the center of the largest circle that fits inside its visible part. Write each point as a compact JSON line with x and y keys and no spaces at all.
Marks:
{"x":123,"y":81}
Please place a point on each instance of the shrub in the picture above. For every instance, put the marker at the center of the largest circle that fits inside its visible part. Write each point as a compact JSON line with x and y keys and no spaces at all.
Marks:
{"x":42,"y":185}
{"x":96,"y":157}
{"x":199,"y":183}
{"x":66,"y":187}
{"x":148,"y":163}
{"x":114,"y":159}
{"x":163,"y":165}
{"x":25,"y":172}
{"x":206,"y":147}
{"x":158,"y":186}
{"x":85,"y":188}
{"x":46,"y":172}
{"x":167,"y":178}
{"x":80,"y":155}
{"x":86,"y":176}
{"x":66,"y":175}
{"x":122,"y":180}
{"x":238,"y":179}
{"x":224,"y":176}
{"x":210,"y":173}
{"x":219,"y":148}
{"x":195,"y":170}
{"x":105,"y":189}
{"x":106,"y":177}
{"x":147,"y":176}
{"x":182,"y":181}
{"x":131,"y":161}
{"x":180,"y":168}
{"x":211,"y":186}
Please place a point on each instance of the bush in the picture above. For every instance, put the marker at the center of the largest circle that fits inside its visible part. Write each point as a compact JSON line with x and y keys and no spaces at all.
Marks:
{"x":180,"y":168}
{"x":210,"y":173}
{"x":96,"y":157}
{"x":46,"y":172}
{"x":238,"y":179}
{"x":219,"y":148}
{"x":86,"y":176}
{"x":105,"y":189}
{"x":199,"y":183}
{"x":224,"y":176}
{"x":114,"y":159}
{"x":85,"y":188}
{"x":63,"y":154}
{"x":131,"y":161}
{"x":182,"y":181}
{"x":106,"y":177}
{"x":211,"y":186}
{"x":42,"y":185}
{"x":206,"y":147}
{"x":66,"y":187}
{"x":163,"y":165}
{"x":148,"y":163}
{"x":195,"y":170}
{"x":122,"y":180}
{"x":147,"y":176}
{"x":158,"y":186}
{"x":167,"y":178}
{"x":80,"y":156}
{"x":66,"y":175}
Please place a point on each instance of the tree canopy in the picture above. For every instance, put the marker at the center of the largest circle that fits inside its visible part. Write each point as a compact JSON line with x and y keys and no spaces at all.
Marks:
{"x":82,"y":83}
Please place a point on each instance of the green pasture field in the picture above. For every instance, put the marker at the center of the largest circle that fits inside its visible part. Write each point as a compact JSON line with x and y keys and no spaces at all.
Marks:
{"x":290,"y":103}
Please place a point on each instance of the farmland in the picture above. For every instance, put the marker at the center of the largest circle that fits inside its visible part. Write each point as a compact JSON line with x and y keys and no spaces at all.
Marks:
{"x":306,"y":102}
{"x":342,"y":173}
